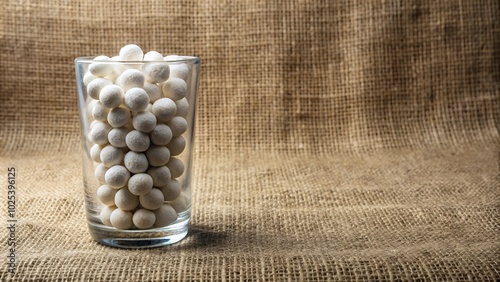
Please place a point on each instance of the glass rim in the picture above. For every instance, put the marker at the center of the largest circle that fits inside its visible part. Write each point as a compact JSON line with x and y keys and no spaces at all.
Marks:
{"x":90,"y":59}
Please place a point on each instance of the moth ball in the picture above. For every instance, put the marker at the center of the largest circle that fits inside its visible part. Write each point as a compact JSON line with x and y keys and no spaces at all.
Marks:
{"x":106,"y":213}
{"x":100,"y":173}
{"x":121,"y":219}
{"x":182,"y":107}
{"x":156,"y":72}
{"x":99,"y":133}
{"x":180,"y":204}
{"x":118,"y":117}
{"x":161,"y":134}
{"x":177,"y":145}
{"x":165,"y":215}
{"x":137,"y":141}
{"x":99,"y":111}
{"x":111,"y":96}
{"x":172,"y":190}
{"x":111,"y":156}
{"x":126,"y":200}
{"x":175,"y":88}
{"x":176,"y":167}
{"x":153,"y":56}
{"x":144,"y":121}
{"x":164,"y":109}
{"x":117,"y":176}
{"x":116,"y":137}
{"x":152,"y":200}
{"x":161,"y":175}
{"x":95,"y":86}
{"x":143,"y":218}
{"x":136,"y":99}
{"x":158,"y":155}
{"x":95,"y":153}
{"x":106,"y":195}
{"x":136,"y":162}
{"x":131,"y":52}
{"x":179,"y":70}
{"x":153,"y":90}
{"x":100,"y":68}
{"x":130,"y":78}
{"x":178,"y":125}
{"x":87,"y":78}
{"x":140,"y":184}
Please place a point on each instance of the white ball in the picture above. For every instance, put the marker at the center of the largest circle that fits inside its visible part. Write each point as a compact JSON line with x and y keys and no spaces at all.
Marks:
{"x":153,"y":56}
{"x":121,"y":219}
{"x":180,"y":204}
{"x":158,"y":155}
{"x":175,"y":88}
{"x":137,"y":141}
{"x":100,"y":69}
{"x":161,"y":134}
{"x":99,"y":133}
{"x":87,"y":78}
{"x":130,"y":78}
{"x":116,"y":137}
{"x":164,"y":109}
{"x":118,"y":117}
{"x":94,"y":122}
{"x":126,"y":200}
{"x":143,"y":218}
{"x":182,"y":107}
{"x":118,"y":68}
{"x":152,"y":200}
{"x":136,"y":99}
{"x":95,"y":86}
{"x":131,"y":52}
{"x":178,"y":125}
{"x":111,"y":77}
{"x":111,"y":156}
{"x":111,"y":96}
{"x":177,"y":145}
{"x":156,"y":72}
{"x":140,"y":184}
{"x":153,"y":90}
{"x":144,"y":121}
{"x":179,"y":70}
{"x":90,"y":107}
{"x":172,"y":190}
{"x":99,"y":111}
{"x":172,"y":58}
{"x":176,"y":167}
{"x":105,"y":215}
{"x":95,"y":153}
{"x":106,"y":195}
{"x":165,"y":215}
{"x":100,"y":173}
{"x":161,"y":175}
{"x":136,"y":162}
{"x":117,"y":176}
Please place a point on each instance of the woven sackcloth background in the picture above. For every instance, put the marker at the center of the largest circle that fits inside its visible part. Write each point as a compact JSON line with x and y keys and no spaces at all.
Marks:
{"x":335,"y":140}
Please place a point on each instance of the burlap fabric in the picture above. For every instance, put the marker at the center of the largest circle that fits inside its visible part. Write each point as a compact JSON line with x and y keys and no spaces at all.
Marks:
{"x":335,"y":140}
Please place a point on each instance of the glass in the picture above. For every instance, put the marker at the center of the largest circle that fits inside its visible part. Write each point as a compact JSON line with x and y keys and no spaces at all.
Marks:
{"x":137,"y":139}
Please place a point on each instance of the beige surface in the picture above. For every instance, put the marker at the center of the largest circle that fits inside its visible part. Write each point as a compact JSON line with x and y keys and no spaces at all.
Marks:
{"x":346,"y":140}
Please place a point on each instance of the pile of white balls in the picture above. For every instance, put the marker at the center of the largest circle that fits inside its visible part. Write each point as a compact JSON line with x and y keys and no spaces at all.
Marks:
{"x":139,"y":115}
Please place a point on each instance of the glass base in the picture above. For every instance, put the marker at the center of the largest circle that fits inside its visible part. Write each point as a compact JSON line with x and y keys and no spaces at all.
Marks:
{"x":140,"y":243}
{"x":140,"y":239}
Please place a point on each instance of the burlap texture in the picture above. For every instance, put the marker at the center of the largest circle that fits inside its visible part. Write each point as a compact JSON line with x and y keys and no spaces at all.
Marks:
{"x":335,"y":140}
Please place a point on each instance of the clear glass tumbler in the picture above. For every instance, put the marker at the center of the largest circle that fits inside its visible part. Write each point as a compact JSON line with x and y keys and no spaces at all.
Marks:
{"x":137,"y":120}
